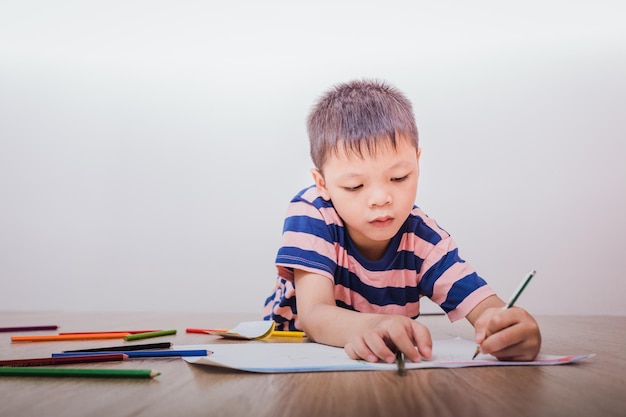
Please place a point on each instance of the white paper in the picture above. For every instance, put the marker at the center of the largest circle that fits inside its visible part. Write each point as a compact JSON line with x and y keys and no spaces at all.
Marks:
{"x":314,"y":357}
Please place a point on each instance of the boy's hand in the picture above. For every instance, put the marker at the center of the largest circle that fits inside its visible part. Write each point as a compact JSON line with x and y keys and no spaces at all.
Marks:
{"x":509,"y":335}
{"x":391,"y":332}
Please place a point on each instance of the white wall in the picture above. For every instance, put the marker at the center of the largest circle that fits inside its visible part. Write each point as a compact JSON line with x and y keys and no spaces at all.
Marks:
{"x":148,"y":149}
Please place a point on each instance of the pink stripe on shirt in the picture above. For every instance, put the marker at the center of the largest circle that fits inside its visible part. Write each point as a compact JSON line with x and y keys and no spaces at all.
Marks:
{"x":311,"y":194}
{"x":447,"y":279}
{"x":439,"y":251}
{"x":381,"y":279}
{"x":412,"y":243}
{"x":301,"y":208}
{"x":430,"y":222}
{"x":470,"y":302}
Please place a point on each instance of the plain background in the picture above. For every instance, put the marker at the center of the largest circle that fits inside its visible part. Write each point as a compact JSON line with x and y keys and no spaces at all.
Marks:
{"x":148,"y":149}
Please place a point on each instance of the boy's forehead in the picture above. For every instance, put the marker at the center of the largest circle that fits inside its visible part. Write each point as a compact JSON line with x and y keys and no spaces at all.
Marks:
{"x":348,"y":154}
{"x":371,"y":148}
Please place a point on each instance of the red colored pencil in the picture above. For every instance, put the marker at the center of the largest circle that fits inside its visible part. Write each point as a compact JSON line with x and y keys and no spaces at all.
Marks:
{"x":64,"y":360}
{"x":205,"y":331}
{"x":57,"y":337}
{"x":27,"y":328}
{"x":110,"y":331}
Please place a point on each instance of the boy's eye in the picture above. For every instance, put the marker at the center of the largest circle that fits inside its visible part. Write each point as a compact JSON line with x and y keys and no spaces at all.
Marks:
{"x":399,"y":179}
{"x":355,"y":188}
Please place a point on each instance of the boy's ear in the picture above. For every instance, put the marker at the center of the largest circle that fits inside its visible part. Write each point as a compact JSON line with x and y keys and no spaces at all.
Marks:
{"x":320,"y":184}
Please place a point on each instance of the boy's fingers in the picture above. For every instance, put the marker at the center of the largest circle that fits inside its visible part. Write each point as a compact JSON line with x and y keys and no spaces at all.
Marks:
{"x":516,"y":336}
{"x":493,"y":322}
{"x":376,"y":344}
{"x":414,"y":341}
{"x":503,"y":319}
{"x":359,"y":350}
{"x":423,"y":341}
{"x":407,"y":346}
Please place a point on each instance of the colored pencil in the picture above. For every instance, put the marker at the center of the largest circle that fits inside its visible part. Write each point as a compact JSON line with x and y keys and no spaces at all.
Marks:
{"x":146,"y":346}
{"x":400,"y":363}
{"x":286,"y":333}
{"x":27,"y":328}
{"x":145,"y":353}
{"x":79,"y":372}
{"x":113,"y":331}
{"x":512,"y":300}
{"x":207,"y":331}
{"x":59,"y":337}
{"x":147,"y":335}
{"x":63,"y":361}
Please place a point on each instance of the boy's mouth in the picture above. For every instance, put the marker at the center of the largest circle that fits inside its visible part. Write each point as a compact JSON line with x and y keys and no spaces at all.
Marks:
{"x":382,"y":221}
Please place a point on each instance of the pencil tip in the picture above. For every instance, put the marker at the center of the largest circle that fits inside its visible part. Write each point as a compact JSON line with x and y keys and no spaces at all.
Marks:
{"x":476,"y":352}
{"x":154,"y":373}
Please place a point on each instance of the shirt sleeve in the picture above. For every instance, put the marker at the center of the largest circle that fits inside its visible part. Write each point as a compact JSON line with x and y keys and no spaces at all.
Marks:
{"x":307,"y":242}
{"x":451,"y":282}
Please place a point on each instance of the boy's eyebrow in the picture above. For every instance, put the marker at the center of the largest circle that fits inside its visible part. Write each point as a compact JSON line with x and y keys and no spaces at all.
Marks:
{"x":353,"y":175}
{"x":350,"y":176}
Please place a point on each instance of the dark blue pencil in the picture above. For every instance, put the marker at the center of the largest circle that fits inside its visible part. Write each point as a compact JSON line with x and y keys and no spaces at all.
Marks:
{"x":146,"y":346}
{"x":144,"y":353}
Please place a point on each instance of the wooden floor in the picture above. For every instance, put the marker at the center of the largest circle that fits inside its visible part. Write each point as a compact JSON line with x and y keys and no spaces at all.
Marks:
{"x":593,"y":387}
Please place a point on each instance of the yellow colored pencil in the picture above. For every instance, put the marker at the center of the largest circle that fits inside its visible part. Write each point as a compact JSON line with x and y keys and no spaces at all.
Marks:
{"x":287,"y":333}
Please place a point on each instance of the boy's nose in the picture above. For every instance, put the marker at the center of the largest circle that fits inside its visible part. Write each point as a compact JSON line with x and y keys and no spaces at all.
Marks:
{"x":379,"y":197}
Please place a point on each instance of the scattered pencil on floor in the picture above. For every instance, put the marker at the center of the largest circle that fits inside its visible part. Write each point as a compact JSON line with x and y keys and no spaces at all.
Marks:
{"x":287,"y":333}
{"x":65,"y":360}
{"x":146,"y":353}
{"x":79,"y":372}
{"x":145,"y":346}
{"x":206,"y":331}
{"x":113,"y":331}
{"x":147,"y":335}
{"x":63,"y":337}
{"x":27,"y":328}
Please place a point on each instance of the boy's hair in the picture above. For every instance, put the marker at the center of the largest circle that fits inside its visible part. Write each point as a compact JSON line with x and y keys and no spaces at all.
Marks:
{"x":356,"y":116}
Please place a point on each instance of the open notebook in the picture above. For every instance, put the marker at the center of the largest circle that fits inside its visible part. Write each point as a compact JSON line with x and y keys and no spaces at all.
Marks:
{"x":314,"y":357}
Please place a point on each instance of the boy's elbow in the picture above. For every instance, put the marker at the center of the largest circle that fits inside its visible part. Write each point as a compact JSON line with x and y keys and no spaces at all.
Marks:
{"x":308,"y":324}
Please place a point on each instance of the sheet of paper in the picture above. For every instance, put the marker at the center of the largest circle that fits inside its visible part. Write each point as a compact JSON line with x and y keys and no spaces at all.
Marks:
{"x":313,"y":357}
{"x":249,"y":330}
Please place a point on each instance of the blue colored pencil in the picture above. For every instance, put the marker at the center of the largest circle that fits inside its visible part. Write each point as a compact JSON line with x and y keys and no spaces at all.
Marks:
{"x":143,"y":353}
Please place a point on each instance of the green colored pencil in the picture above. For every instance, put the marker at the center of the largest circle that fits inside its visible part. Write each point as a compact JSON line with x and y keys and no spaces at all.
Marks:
{"x":78,"y":372}
{"x":146,"y":335}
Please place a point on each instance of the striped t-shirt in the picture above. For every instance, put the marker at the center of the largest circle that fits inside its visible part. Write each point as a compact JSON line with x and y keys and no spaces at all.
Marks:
{"x":421,"y":260}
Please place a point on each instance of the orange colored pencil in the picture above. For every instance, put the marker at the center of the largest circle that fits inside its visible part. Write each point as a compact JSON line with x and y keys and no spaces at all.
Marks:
{"x":60,"y":337}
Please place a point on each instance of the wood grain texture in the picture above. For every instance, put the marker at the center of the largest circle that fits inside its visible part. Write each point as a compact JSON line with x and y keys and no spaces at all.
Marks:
{"x":594,"y":387}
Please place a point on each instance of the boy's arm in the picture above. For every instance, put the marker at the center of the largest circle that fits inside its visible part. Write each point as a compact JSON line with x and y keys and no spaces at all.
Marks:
{"x":362,"y":335}
{"x":511,"y":334}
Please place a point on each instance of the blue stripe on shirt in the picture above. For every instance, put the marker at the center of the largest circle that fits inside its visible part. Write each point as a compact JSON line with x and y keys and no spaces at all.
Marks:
{"x":295,"y":256}
{"x":427,"y":283}
{"x":461,"y":289}
{"x":374,"y":295}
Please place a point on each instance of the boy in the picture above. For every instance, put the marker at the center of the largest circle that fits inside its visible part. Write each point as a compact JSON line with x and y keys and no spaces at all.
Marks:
{"x":361,"y":254}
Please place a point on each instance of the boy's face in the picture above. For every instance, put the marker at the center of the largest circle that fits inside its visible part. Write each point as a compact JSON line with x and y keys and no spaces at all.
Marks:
{"x":374,"y":194}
